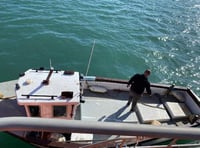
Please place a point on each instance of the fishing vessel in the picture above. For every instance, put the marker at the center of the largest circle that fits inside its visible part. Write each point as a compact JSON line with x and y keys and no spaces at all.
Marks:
{"x":61,"y":108}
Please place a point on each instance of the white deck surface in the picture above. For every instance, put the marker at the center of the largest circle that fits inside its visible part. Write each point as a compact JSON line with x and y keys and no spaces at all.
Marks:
{"x":58,"y":83}
{"x":81,"y":137}
{"x":106,"y":110}
{"x":151,"y":109}
{"x":177,"y":110}
{"x":8,"y":88}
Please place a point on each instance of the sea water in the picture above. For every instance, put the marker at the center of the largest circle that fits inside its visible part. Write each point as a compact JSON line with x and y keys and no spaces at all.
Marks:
{"x":130,"y":36}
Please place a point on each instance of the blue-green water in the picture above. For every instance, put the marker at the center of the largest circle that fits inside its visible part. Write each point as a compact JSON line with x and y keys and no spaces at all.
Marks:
{"x":131,"y":35}
{"x":9,"y":141}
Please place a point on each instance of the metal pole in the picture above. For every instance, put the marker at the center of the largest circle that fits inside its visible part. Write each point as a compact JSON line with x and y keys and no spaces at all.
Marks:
{"x":91,"y":54}
{"x":108,"y":128}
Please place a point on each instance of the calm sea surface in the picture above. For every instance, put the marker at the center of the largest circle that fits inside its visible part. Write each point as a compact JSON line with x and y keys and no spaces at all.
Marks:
{"x":130,"y":35}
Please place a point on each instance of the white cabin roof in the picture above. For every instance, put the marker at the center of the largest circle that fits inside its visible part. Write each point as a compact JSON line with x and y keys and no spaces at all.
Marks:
{"x":32,"y":90}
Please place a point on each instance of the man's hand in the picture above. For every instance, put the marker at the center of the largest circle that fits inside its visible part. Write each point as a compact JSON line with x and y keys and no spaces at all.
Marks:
{"x":147,"y":95}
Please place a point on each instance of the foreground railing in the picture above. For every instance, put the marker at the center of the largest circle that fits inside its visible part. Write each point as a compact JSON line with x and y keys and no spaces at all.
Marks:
{"x":109,"y":128}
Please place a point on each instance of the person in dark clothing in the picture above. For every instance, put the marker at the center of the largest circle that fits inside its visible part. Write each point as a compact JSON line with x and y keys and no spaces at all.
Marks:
{"x":139,"y":83}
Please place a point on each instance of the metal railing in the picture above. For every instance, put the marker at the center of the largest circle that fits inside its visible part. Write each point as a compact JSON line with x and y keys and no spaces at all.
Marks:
{"x":109,"y":128}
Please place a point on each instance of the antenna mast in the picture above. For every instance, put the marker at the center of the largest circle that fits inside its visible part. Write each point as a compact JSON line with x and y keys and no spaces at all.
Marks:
{"x":91,"y":54}
{"x":50,"y":64}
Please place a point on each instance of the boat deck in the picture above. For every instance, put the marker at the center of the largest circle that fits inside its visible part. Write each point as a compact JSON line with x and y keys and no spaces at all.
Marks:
{"x":106,"y":102}
{"x":111,"y":107}
{"x":98,"y":109}
{"x":8,"y":104}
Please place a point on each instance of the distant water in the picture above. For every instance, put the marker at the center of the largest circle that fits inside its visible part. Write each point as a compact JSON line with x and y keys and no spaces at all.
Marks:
{"x":131,"y":35}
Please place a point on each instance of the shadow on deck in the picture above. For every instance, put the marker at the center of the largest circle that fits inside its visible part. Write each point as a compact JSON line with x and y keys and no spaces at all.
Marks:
{"x":9,"y":108}
{"x":117,"y":116}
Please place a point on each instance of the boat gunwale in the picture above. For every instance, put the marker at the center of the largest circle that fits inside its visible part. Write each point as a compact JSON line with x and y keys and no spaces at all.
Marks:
{"x":156,"y":85}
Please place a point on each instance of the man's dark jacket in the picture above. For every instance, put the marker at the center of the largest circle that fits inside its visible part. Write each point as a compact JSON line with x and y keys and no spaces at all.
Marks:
{"x":138,"y":83}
